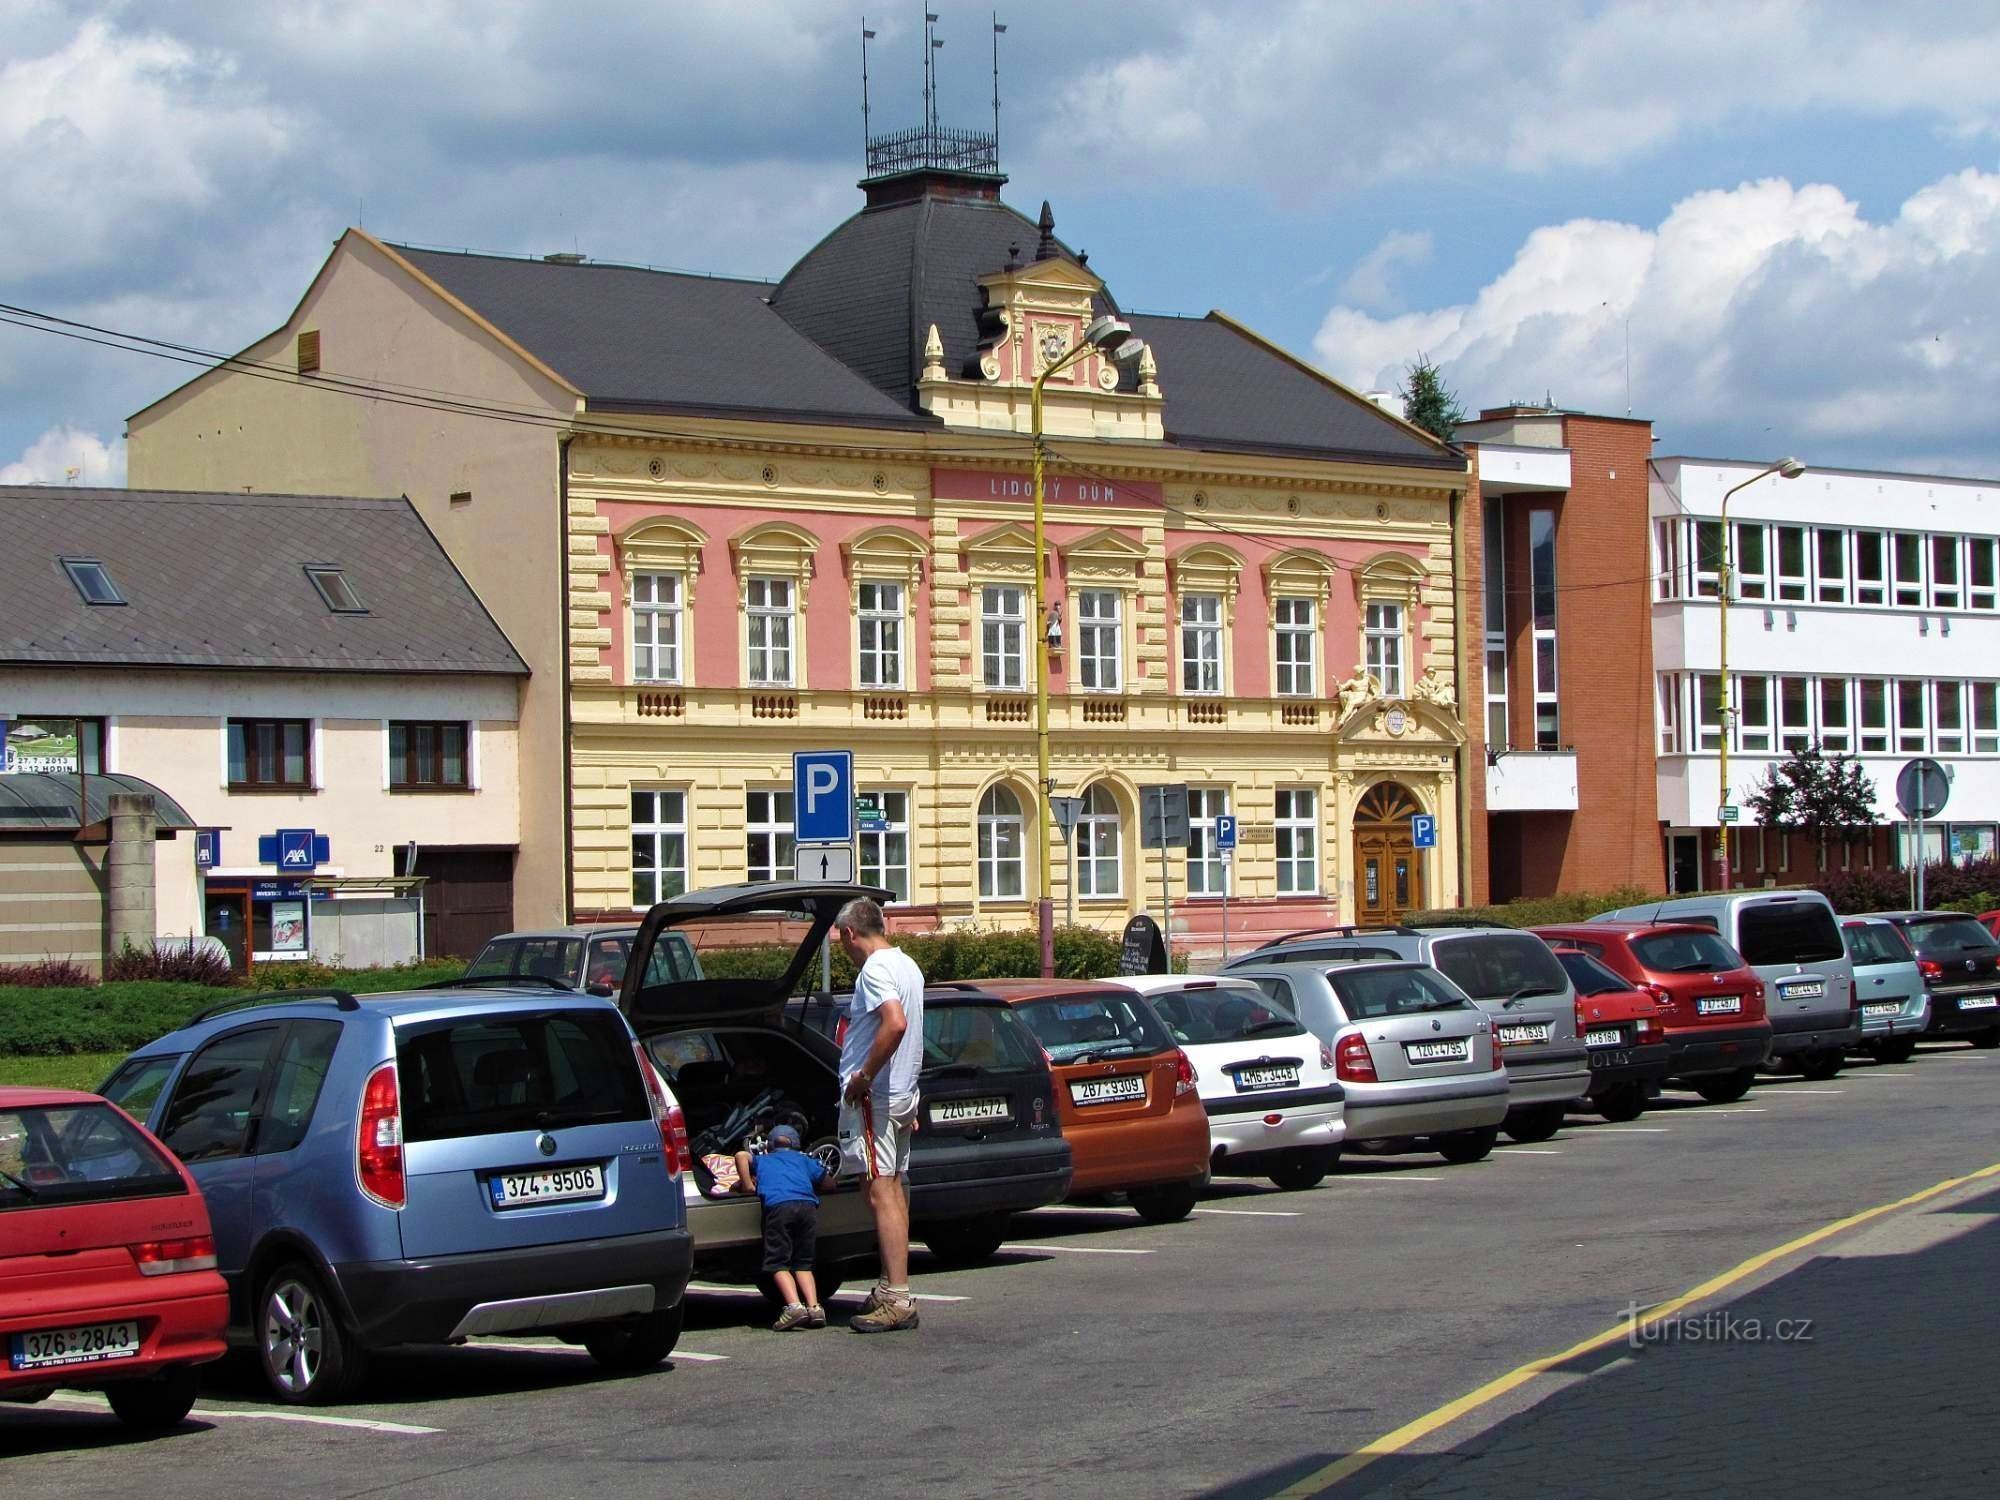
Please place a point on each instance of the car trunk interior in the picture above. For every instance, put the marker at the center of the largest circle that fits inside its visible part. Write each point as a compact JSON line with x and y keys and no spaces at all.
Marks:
{"x":716,"y":1074}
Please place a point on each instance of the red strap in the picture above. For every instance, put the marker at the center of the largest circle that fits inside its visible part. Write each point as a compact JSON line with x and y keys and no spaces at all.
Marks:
{"x":868,"y":1120}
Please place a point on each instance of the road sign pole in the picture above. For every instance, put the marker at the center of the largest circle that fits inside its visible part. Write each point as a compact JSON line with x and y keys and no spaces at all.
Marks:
{"x":1917,"y":858}
{"x":1166,"y":902}
{"x":1228,"y":869}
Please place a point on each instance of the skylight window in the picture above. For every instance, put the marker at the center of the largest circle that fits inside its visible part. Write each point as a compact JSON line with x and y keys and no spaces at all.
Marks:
{"x":91,"y":581}
{"x":336,"y":590}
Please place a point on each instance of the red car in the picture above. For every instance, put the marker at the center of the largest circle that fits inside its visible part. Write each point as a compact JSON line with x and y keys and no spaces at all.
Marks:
{"x":1629,"y":1054}
{"x":1711,"y":1002}
{"x":107,"y":1267}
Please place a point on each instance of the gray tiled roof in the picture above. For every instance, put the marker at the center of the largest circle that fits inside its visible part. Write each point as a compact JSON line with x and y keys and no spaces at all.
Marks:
{"x":219,"y":581}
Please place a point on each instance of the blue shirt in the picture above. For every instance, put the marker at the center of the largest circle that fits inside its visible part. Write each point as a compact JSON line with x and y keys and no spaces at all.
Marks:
{"x":787,"y":1176}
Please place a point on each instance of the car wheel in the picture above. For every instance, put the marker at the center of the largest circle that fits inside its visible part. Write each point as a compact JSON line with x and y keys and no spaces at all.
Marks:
{"x":1820,"y":1066}
{"x":1534,"y":1122}
{"x":1626,"y":1101}
{"x":1166,"y":1204}
{"x":1986,"y":1039}
{"x":637,"y":1343}
{"x":1303,"y":1167}
{"x":966,"y":1242}
{"x":155,"y":1404}
{"x":1900,"y":1050}
{"x":1726,"y":1088}
{"x":1468,"y":1146}
{"x":307,"y":1358}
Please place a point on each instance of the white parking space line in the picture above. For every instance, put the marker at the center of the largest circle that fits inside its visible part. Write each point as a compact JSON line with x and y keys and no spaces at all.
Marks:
{"x":82,"y":1401}
{"x":1031,"y":1248}
{"x":1074,"y":1208}
{"x":1386,"y":1177}
{"x":751,"y":1291}
{"x":1703,"y":1114}
{"x":914,"y":1297}
{"x":1527,"y":1151}
{"x":1787,"y":1093}
{"x":1629,"y":1130}
{"x":523,"y":1348}
{"x":1253,"y":1213}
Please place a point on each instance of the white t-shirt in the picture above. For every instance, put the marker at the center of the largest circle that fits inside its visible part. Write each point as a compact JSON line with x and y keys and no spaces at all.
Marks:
{"x":888,"y":974}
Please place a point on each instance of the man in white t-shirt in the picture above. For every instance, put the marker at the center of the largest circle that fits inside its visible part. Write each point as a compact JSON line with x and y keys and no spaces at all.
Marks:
{"x":880,"y":1057}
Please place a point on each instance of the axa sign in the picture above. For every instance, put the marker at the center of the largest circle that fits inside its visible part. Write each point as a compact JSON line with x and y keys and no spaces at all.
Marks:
{"x":295,"y":849}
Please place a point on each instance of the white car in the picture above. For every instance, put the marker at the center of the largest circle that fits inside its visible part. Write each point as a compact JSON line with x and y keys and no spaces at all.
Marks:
{"x":1275,"y":1108}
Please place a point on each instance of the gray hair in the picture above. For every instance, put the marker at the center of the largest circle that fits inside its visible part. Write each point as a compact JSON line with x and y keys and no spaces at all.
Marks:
{"x":862,"y":917}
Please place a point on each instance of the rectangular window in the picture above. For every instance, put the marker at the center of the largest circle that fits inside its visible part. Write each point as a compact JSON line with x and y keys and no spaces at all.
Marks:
{"x":1794,"y":713}
{"x":1493,"y":563}
{"x":1753,"y":714}
{"x":1201,"y":643}
{"x":880,"y":608}
{"x":1870,"y":575}
{"x":885,"y":848}
{"x":270,"y":753}
{"x":1297,"y":842}
{"x":1498,"y":733}
{"x":656,"y":627}
{"x":427,"y":757}
{"x":1099,"y":649}
{"x":1666,"y":560}
{"x":1792,"y":564}
{"x":1751,"y":563}
{"x":1979,"y":572}
{"x":768,"y":608}
{"x":1910,"y":737}
{"x":1708,"y":558}
{"x":41,"y":742}
{"x":1830,"y":566}
{"x":1003,"y":638}
{"x":1944,"y":572}
{"x":1669,"y":711}
{"x":1383,"y":644}
{"x":1493,"y":566}
{"x":1298,"y":654}
{"x":1985,"y":718}
{"x":1542,"y":596}
{"x":1836,"y":731}
{"x":1872,"y":710}
{"x":1908,"y":557}
{"x":1948,"y":715}
{"x":93,"y":583}
{"x":659,"y":846}
{"x":767,"y":835}
{"x":1207,"y":872}
{"x":1708,"y":709}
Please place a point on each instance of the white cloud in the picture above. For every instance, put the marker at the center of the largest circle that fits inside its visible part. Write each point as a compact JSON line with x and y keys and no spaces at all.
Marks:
{"x":1372,"y":282}
{"x":1767,"y":308}
{"x":66,"y":455}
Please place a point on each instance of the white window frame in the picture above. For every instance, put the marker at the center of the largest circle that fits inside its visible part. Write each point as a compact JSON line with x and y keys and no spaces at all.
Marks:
{"x":1003,"y":638}
{"x":1710,"y":721}
{"x":1208,"y":873}
{"x":661,"y":832}
{"x":879,"y":606}
{"x":1984,"y":596}
{"x":1100,"y":845}
{"x":1912,"y":729}
{"x":1666,"y":560}
{"x":1295,"y":830}
{"x":1948,"y":703}
{"x":877,"y":849}
{"x":770,"y":630}
{"x":1985,"y":718}
{"x":1793,"y":733}
{"x":1382,"y":644}
{"x":1667,"y":699}
{"x":1833,"y":705}
{"x":1870,"y":590}
{"x":1295,"y":644}
{"x":1707,"y":580}
{"x":1907,"y":589}
{"x":1100,"y":640}
{"x":1754,"y":714}
{"x":1791,"y":584}
{"x":768,"y":814}
{"x":658,"y":611}
{"x":1752,"y":578}
{"x":995,"y":824}
{"x":1201,"y":645}
{"x":1829,"y":588}
{"x":1872,"y":731}
{"x":1945,"y":560}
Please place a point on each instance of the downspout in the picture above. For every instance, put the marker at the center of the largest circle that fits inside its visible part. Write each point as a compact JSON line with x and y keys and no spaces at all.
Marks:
{"x":563,"y":440}
{"x":1465,"y":706}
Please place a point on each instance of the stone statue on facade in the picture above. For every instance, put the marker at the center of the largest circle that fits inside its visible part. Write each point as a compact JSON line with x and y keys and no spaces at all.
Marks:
{"x":1362,"y":688}
{"x":1432,"y":688}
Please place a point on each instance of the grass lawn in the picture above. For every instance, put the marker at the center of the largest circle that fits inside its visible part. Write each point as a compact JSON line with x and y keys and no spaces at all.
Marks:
{"x":68,"y":1070}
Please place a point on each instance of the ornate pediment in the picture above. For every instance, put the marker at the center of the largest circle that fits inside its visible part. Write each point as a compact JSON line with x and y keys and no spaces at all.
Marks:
{"x":1415,"y":723}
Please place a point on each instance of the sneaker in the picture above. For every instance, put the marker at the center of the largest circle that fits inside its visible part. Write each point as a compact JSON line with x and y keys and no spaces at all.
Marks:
{"x":815,"y":1316}
{"x":877,"y":1295}
{"x":886,"y":1317}
{"x":795,"y":1316}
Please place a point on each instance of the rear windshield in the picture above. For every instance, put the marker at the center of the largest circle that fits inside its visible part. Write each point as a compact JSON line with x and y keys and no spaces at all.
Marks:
{"x":1948,"y":937}
{"x":1788,"y":932}
{"x":1500,"y":966}
{"x":1685,"y":953}
{"x":1371,"y":994}
{"x":77,"y":1153}
{"x":529,"y":1071}
{"x":1875,"y":943}
{"x":1090,"y":1028}
{"x":1223,"y":1013}
{"x":990,"y":1038}
{"x":549,"y":957}
{"x":1588,"y":975}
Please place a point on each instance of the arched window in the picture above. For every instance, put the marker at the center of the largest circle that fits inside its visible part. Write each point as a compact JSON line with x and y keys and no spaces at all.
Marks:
{"x":1100,"y":844}
{"x":1001,"y":853}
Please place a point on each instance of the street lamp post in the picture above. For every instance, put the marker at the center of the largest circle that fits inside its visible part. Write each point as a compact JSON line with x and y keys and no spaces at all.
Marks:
{"x":1113,"y":338}
{"x":1785,"y":468}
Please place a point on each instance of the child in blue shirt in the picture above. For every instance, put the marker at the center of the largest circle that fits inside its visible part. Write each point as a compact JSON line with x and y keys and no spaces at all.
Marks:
{"x":786,"y":1179}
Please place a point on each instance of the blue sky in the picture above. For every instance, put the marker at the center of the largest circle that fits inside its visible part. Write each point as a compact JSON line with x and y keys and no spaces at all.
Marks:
{"x":1793,"y":209}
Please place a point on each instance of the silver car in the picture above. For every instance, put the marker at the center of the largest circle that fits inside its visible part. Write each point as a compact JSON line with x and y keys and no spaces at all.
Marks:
{"x":1414,"y":1054}
{"x":591,"y":959}
{"x":1895,"y":1005}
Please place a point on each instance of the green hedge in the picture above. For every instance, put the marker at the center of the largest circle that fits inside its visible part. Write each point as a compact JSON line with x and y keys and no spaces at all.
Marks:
{"x":1081,"y":953}
{"x":1543,"y":911}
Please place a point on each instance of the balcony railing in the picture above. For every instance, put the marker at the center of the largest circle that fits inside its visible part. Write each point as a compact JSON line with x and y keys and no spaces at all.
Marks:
{"x":934,"y":149}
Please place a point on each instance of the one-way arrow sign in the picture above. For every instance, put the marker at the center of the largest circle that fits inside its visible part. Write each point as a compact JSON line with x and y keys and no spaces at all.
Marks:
{"x":833,"y":862}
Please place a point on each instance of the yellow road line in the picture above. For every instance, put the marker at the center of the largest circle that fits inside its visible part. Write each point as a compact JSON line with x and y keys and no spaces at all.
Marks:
{"x":1346,"y":1468}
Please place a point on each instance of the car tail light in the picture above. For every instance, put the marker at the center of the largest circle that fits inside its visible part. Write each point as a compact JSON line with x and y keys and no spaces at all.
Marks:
{"x":1647,"y":1030}
{"x":1930,"y":968}
{"x":1352,"y":1062}
{"x":170,"y":1257}
{"x":1184,"y":1078}
{"x":378,"y":1143}
{"x":1325,"y":1055}
{"x":1659,"y":994}
{"x":1498,"y":1061}
{"x":667,"y":1115}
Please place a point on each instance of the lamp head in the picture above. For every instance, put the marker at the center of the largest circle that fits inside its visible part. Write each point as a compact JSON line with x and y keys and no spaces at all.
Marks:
{"x":1107,"y":333}
{"x":1790,"y":468}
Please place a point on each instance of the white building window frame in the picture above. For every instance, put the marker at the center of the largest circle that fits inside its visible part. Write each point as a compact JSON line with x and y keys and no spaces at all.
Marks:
{"x":659,"y":618}
{"x":1208,"y":873}
{"x":1829,"y":548}
{"x":1296,"y":840}
{"x":881,"y":635}
{"x":1295,"y":632}
{"x":1003,"y":638}
{"x":659,"y":827}
{"x":1201,"y":643}
{"x":1945,"y":557}
{"x":1206,"y":572}
{"x":1098,"y":616}
{"x":772,"y":637}
{"x":1750,"y":560}
{"x":1791,"y":557}
{"x":659,"y":547}
{"x":1870,"y":551}
{"x":1002,"y":855}
{"x":770,"y":848}
{"x":1100,"y":845}
{"x":884,"y":856}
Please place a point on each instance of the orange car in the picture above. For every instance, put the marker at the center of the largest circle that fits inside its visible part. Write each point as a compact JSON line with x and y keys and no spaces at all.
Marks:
{"x":1125,"y":1094}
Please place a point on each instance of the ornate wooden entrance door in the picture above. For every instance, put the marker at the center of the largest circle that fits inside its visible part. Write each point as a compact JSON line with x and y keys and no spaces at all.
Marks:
{"x":1388,"y":869}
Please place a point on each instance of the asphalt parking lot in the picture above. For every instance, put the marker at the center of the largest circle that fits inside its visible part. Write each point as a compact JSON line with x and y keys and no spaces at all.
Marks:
{"x":1255,"y":1348}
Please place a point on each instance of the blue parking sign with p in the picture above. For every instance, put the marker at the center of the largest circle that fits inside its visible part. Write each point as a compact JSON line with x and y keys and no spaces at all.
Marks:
{"x":1225,"y":832}
{"x":1424,"y":831}
{"x":823,"y":796}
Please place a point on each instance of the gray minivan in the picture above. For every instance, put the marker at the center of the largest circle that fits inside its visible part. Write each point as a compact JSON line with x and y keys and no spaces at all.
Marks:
{"x":1792,"y":940}
{"x":1895,"y":1007}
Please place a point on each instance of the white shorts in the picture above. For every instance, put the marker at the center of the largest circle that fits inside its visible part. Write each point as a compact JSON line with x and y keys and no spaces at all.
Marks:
{"x":875,"y":1135}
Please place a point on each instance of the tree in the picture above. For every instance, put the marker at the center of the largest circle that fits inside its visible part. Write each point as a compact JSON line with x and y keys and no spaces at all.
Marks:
{"x":1825,"y":797}
{"x":1428,"y":402}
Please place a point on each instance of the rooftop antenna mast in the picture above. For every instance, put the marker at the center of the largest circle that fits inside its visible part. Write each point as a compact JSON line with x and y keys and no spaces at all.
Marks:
{"x":931,"y":44}
{"x":998,"y":32}
{"x":867,"y":36}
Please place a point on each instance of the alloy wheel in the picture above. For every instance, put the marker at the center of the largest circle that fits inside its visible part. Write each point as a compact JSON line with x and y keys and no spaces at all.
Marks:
{"x":294,"y":1336}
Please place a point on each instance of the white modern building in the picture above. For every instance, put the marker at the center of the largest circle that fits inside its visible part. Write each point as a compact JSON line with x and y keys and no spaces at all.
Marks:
{"x":1865,"y":618}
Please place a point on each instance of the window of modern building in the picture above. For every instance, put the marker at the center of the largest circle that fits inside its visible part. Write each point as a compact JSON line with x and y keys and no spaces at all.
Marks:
{"x":1499,"y":735}
{"x":1383,"y":646}
{"x":659,"y":846}
{"x":1944,"y":573}
{"x":1201,"y":643}
{"x":1542,"y":599}
{"x":769,"y":851}
{"x":769,"y":622}
{"x":1296,"y":840}
{"x":1493,"y":566}
{"x":427,"y":756}
{"x":1835,"y":724}
{"x":1669,"y":713}
{"x":1100,"y":845}
{"x":1296,"y":624}
{"x":1003,"y":637}
{"x":1948,"y":717}
{"x":273,"y":754}
{"x":1910,"y":736}
{"x":1830,"y":566}
{"x":1753,"y":714}
{"x":1870,"y":568}
{"x":656,"y":627}
{"x":1207,"y":871}
{"x":1979,"y":572}
{"x":1666,"y":561}
{"x":1872,"y":715}
{"x":1751,"y":563}
{"x":1708,"y":558}
{"x":1795,"y":730}
{"x":880,"y":621}
{"x":1708,"y":709}
{"x":885,"y":851}
{"x":1001,"y":846}
{"x":1099,"y":640}
{"x":1907,"y":556}
{"x":1791,"y":564}
{"x":1985,"y":718}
